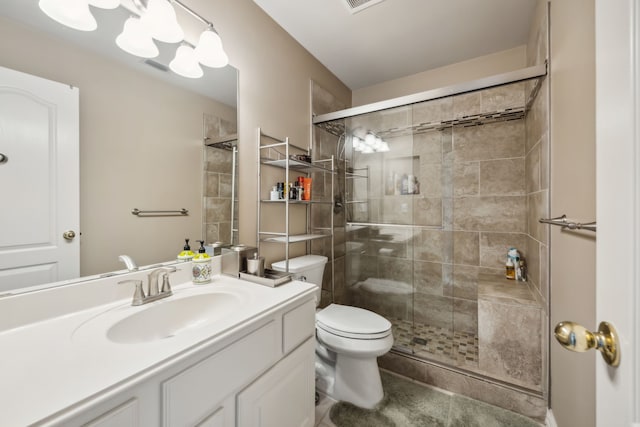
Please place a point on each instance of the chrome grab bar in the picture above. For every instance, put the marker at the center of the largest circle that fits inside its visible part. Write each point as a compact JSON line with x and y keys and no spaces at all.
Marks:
{"x":180,"y":212}
{"x":563,"y":222}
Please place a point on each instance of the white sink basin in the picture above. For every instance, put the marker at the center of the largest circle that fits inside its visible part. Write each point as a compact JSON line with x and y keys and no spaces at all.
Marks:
{"x":168,"y":318}
{"x":163,"y":319}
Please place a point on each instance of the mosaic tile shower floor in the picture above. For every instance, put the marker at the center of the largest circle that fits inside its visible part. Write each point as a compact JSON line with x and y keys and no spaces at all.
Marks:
{"x":432,"y":342}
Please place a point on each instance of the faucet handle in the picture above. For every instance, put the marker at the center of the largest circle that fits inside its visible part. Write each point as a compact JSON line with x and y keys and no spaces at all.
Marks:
{"x":138,"y":294}
{"x":166,"y":286}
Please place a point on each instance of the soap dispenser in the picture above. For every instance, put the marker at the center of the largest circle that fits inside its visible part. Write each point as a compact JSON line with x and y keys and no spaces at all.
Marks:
{"x":201,"y":268}
{"x":186,"y":254}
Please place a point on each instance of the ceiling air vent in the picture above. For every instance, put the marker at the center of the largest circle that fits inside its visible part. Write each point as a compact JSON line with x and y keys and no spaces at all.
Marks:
{"x":356,"y":6}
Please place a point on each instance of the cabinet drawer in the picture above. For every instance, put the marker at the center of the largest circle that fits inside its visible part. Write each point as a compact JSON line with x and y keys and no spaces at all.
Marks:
{"x":298,"y":325}
{"x":125,"y":415}
{"x":191,"y":395}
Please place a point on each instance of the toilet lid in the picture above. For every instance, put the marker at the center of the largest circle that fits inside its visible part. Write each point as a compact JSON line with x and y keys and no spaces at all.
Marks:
{"x":352,"y":322}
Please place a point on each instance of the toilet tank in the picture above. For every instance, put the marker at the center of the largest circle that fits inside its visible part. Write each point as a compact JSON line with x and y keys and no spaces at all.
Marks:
{"x":307,"y":267}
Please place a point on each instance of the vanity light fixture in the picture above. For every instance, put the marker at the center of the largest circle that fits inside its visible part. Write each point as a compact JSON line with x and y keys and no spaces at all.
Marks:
{"x":155,"y":19}
{"x":161,"y":23}
{"x":105,"y":4}
{"x":185,"y":63}
{"x":209,"y":51}
{"x":136,"y":40}
{"x":72,"y":13}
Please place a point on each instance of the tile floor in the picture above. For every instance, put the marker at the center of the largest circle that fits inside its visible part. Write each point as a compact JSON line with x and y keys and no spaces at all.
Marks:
{"x":409,"y":403}
{"x":432,"y":342}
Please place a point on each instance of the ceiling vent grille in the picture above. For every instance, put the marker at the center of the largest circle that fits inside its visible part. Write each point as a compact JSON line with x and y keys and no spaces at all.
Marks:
{"x":356,"y":6}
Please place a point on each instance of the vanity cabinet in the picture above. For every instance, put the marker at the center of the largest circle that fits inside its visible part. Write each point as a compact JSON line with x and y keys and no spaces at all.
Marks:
{"x":263,"y":376}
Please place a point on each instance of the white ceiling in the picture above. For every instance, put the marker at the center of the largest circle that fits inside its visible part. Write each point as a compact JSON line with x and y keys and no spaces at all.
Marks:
{"x":397,"y":38}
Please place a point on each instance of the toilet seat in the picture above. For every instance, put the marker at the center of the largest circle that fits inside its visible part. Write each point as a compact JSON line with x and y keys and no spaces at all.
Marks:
{"x":353,"y":322}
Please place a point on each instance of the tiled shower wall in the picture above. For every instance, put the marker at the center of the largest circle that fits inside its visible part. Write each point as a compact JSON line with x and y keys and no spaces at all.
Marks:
{"x":472,"y":206}
{"x":217,"y":177}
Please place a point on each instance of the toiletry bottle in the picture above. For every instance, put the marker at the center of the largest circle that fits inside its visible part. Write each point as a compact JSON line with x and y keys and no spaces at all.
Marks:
{"x":522,"y":270}
{"x":186,"y":254}
{"x":201,"y":267}
{"x":307,"y":189}
{"x":280,"y":190}
{"x":513,"y":262}
{"x":510,"y":269}
{"x":300,"y":192}
{"x":275,"y":194}
{"x":293,"y":194}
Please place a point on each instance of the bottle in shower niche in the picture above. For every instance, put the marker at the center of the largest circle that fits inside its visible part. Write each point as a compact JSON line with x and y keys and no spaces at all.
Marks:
{"x":521,"y":272}
{"x":510,"y":271}
{"x":513,"y":263}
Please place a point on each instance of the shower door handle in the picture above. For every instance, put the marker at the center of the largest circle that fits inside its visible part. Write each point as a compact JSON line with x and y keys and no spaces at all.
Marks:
{"x":575,"y":337}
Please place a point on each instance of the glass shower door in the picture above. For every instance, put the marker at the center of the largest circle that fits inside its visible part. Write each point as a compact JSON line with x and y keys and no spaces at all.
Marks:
{"x":399,"y":251}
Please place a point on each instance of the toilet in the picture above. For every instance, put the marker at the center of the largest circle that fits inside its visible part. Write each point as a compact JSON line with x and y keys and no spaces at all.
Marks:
{"x":348,"y":341}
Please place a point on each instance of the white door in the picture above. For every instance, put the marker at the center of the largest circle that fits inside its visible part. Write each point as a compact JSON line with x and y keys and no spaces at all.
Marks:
{"x":618,"y":206}
{"x":39,"y":181}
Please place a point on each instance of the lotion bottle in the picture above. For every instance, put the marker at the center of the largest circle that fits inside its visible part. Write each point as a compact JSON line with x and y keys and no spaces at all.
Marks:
{"x":201,"y":268}
{"x":186,"y":254}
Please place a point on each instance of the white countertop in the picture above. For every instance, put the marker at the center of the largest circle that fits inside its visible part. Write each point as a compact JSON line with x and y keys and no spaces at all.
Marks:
{"x":54,"y":363}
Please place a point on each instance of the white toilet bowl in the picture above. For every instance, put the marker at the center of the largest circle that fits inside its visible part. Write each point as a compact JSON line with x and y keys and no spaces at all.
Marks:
{"x":348,"y":342}
{"x":353,"y":339}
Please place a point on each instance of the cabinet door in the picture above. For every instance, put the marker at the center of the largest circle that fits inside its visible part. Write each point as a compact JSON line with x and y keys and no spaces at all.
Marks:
{"x":198,"y":391}
{"x":224,"y":416}
{"x":284,"y":395}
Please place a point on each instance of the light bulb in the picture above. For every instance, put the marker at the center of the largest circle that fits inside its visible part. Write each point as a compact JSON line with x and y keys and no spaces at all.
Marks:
{"x":105,"y":4}
{"x":72,"y":13}
{"x":209,"y":51}
{"x":185,"y":63}
{"x":370,"y":139}
{"x":135,"y":40}
{"x":160,"y":20}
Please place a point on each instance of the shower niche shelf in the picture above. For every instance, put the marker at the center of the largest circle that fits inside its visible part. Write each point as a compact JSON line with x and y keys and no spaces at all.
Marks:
{"x":286,"y":222}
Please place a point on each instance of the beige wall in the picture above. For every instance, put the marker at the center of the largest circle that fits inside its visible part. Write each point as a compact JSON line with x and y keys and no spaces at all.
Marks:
{"x":140,"y":147}
{"x":274,"y":81}
{"x":476,"y":68}
{"x":573,"y":193}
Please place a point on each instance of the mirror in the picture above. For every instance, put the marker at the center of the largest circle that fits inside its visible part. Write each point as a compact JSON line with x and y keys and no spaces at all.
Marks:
{"x":142,"y":129}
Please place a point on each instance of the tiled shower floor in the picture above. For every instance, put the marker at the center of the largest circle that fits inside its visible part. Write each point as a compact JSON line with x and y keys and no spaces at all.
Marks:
{"x":432,"y":342}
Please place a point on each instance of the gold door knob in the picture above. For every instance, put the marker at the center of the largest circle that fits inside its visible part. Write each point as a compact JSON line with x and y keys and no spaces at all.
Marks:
{"x":576,"y":337}
{"x":69,"y":235}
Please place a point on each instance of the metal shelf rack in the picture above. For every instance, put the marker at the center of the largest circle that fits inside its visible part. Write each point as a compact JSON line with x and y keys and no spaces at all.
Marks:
{"x":279,"y":153}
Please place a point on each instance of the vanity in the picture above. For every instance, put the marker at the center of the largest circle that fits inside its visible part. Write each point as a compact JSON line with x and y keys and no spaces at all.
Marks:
{"x":227,"y":353}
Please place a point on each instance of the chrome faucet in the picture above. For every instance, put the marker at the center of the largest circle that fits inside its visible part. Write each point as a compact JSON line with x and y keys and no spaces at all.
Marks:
{"x":139,"y":296}
{"x":129,"y":262}
{"x":154,"y":279}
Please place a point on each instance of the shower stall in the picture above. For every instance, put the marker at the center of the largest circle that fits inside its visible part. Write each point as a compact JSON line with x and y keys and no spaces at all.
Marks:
{"x":433,"y":190}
